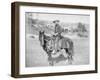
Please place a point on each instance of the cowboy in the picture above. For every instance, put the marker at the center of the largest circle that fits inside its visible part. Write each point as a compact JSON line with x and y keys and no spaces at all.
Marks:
{"x":57,"y":35}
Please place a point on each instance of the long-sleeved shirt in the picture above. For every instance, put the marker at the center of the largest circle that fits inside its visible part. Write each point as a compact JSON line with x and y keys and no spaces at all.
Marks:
{"x":58,"y":29}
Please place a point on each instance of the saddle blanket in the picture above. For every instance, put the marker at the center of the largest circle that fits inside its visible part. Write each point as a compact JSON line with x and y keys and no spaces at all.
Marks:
{"x":63,"y":43}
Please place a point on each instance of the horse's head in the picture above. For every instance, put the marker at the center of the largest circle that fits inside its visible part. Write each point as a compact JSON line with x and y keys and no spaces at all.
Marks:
{"x":50,"y":45}
{"x":41,"y":37}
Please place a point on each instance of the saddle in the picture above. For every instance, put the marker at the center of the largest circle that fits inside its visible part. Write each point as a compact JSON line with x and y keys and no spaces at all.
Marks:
{"x":58,"y":35}
{"x":57,"y":41}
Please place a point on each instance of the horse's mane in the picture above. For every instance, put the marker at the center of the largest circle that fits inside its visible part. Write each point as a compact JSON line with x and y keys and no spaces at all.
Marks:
{"x":47,"y":37}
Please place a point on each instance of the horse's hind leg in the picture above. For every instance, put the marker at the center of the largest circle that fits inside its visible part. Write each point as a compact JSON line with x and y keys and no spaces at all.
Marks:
{"x":70,"y":59}
{"x":69,"y":56}
{"x":65,"y":52}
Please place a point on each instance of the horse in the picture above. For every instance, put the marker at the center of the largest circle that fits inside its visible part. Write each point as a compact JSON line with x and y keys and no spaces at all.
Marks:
{"x":47,"y":43}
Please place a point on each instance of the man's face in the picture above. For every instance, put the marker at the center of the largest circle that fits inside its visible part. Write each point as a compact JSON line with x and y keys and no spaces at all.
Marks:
{"x":56,"y":23}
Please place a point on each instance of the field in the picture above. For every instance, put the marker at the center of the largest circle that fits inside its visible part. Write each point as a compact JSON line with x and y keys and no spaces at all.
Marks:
{"x":36,"y":56}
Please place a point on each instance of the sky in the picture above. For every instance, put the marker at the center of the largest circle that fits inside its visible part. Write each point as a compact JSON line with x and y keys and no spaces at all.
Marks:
{"x":68,"y":18}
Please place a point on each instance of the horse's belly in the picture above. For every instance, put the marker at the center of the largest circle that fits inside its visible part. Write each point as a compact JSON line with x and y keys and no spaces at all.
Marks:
{"x":64,"y":44}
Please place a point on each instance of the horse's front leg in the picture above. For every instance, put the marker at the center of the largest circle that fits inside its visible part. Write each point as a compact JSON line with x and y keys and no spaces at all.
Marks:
{"x":51,"y":63}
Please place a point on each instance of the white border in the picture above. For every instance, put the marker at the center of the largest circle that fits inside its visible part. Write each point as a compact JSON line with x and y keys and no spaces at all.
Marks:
{"x":36,"y":70}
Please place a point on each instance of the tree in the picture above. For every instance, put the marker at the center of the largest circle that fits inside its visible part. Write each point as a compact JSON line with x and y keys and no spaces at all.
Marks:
{"x":81,"y":30}
{"x":81,"y":27}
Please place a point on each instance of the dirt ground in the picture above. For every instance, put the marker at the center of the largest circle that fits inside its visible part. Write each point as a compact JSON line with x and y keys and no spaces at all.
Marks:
{"x":35,"y":56}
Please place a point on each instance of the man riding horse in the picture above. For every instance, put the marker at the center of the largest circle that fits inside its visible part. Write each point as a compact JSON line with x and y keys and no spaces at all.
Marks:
{"x":57,"y":35}
{"x":57,"y":46}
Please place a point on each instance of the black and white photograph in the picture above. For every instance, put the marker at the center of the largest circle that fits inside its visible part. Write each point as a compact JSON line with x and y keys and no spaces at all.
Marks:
{"x":56,"y":39}
{"x":52,"y":39}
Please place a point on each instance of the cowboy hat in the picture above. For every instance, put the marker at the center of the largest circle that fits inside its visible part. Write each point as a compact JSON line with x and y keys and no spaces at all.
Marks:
{"x":56,"y":21}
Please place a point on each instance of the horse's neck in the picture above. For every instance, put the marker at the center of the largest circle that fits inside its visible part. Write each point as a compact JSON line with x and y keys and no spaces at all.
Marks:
{"x":46,"y":37}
